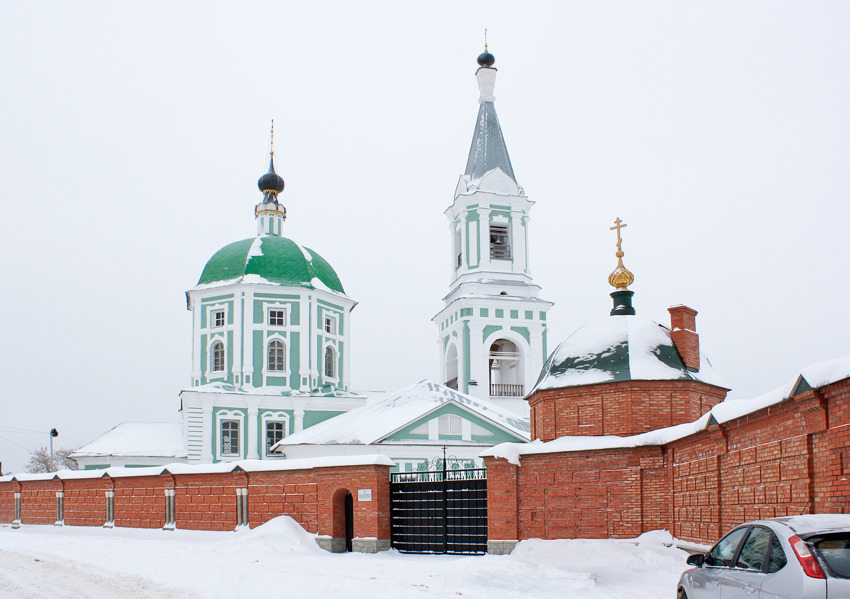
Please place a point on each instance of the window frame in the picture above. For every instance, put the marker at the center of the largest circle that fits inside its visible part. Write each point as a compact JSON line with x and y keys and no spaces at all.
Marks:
{"x":330,"y":323}
{"x":212,"y":371}
{"x":283,"y":362}
{"x":284,"y":316}
{"x":221,"y":431}
{"x":278,"y":417}
{"x":500,"y":248}
{"x":333,"y":376}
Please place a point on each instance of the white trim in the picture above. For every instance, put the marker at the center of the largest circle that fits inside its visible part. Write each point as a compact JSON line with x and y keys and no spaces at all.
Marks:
{"x":325,"y":378}
{"x":286,"y":358}
{"x":229,"y":415}
{"x":268,"y":417}
{"x":276,"y":305}
{"x":211,"y":341}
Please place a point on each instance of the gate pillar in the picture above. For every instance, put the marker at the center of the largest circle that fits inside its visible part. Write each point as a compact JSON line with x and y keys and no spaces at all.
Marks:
{"x":503,"y":505}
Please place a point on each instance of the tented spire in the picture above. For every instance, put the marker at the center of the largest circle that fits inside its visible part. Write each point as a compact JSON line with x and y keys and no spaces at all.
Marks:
{"x":488,"y":150}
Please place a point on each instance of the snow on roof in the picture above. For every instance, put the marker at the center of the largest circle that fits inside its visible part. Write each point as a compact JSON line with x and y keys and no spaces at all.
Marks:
{"x":382,"y":416}
{"x":135,"y":439}
{"x":620,"y":348}
{"x":811,"y":377}
{"x":221,"y":387}
{"x":217,"y":468}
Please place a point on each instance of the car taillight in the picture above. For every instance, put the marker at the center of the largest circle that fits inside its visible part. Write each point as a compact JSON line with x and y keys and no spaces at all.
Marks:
{"x":810,"y":564}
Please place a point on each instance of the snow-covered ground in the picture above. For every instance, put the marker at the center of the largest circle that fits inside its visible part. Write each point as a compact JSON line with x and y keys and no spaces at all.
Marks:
{"x":281,"y":559}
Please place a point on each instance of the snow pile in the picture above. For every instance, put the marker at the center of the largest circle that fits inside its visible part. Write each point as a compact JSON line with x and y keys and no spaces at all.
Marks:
{"x":281,"y":535}
{"x":92,"y":562}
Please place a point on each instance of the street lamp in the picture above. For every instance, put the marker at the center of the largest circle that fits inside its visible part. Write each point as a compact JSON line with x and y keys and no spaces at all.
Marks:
{"x":53,"y":433}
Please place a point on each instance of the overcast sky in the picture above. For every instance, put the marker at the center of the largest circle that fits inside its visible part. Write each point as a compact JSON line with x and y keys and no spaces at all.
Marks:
{"x":133,"y":136}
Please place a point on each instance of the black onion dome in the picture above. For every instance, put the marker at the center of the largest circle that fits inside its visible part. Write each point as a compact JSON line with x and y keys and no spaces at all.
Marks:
{"x":271,"y":181}
{"x":486,"y":59}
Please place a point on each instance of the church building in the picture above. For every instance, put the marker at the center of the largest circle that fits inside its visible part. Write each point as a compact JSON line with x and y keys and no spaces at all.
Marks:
{"x":271,"y":340}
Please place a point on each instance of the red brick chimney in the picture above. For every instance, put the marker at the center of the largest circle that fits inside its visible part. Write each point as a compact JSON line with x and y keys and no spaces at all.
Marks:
{"x":683,"y":322}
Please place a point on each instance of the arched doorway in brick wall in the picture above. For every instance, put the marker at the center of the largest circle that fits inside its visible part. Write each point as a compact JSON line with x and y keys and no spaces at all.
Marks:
{"x":343,"y":520}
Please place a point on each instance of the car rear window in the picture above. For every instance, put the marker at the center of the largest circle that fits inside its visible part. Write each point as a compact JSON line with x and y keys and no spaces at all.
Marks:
{"x":834,"y":550}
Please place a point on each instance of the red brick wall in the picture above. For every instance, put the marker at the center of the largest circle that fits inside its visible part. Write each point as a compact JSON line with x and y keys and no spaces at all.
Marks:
{"x":208,"y":501}
{"x":371,"y":518}
{"x":85,"y":501}
{"x":626,"y":408}
{"x":790,"y":458}
{"x":140,"y":500}
{"x":294,"y":493}
{"x":7,"y":500}
{"x":38,"y":501}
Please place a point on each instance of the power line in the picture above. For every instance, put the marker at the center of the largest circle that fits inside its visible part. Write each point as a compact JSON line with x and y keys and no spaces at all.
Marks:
{"x":13,"y":443}
{"x":12,"y":429}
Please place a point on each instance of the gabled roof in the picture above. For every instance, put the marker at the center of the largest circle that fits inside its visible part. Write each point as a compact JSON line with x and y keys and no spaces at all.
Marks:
{"x":138,"y":439}
{"x":488,"y":150}
{"x":381,"y":417}
{"x":620,"y":348}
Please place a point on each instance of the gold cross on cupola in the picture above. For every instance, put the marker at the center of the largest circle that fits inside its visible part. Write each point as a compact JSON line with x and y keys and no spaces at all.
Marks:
{"x":618,"y":224}
{"x":621,"y":278}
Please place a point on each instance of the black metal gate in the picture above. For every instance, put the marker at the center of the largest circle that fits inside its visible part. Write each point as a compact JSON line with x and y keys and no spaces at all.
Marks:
{"x":442,"y":511}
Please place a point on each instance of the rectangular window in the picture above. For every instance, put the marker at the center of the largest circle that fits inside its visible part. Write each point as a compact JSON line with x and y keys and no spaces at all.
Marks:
{"x":330,"y":325}
{"x":450,"y":424}
{"x":218,"y":318}
{"x":277,"y":318}
{"x":275,"y":431}
{"x":230,"y":437}
{"x":500,"y":244}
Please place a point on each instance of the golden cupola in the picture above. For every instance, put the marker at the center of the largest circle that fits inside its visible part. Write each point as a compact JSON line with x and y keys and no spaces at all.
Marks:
{"x":621,"y":278}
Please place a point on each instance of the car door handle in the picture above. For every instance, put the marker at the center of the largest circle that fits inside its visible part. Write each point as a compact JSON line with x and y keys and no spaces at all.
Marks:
{"x":715,"y":582}
{"x":749,"y":589}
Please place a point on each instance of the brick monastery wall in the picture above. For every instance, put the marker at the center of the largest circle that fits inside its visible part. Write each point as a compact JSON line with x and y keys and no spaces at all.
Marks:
{"x":790,"y":458}
{"x":610,"y":408}
{"x":208,"y":501}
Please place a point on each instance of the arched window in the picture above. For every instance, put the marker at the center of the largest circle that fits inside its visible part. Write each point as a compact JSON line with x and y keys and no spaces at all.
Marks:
{"x":451,"y":367}
{"x":277,"y":356}
{"x":330,"y":362}
{"x":505,"y":369}
{"x":217,"y":356}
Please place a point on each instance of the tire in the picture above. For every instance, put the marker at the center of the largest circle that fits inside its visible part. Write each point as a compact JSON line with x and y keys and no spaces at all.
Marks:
{"x":681,"y":594}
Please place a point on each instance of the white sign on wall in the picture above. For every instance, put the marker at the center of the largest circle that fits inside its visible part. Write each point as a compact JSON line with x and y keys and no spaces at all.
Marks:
{"x":364,"y":494}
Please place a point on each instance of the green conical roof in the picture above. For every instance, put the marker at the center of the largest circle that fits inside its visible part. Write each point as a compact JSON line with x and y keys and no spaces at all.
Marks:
{"x":270,"y":259}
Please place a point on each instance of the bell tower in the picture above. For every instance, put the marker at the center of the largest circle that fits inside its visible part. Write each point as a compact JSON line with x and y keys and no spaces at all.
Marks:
{"x":492,"y":330}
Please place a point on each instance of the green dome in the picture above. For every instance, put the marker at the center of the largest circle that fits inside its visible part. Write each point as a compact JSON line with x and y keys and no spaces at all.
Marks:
{"x":270,"y":259}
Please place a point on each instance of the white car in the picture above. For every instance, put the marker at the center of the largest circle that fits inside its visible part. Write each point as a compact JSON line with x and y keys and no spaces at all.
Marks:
{"x":795,"y":557}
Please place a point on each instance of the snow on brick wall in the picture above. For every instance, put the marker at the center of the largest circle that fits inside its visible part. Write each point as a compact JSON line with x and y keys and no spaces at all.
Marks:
{"x":789,"y":458}
{"x":207,"y":501}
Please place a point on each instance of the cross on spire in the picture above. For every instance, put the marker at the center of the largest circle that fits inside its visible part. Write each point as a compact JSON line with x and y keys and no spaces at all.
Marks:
{"x":485,"y":39}
{"x":618,"y":224}
{"x":272,"y":142}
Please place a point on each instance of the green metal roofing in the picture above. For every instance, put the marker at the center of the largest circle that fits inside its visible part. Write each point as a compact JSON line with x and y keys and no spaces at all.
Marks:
{"x":488,"y":150}
{"x":270,"y":259}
